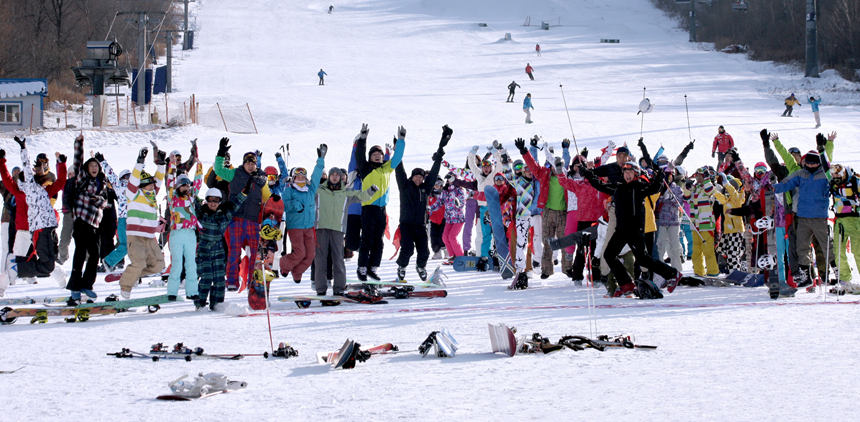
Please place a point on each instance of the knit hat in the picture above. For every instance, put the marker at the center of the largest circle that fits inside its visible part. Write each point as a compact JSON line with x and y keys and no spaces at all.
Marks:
{"x":213,"y":192}
{"x":417,"y":171}
{"x":146,"y":179}
{"x":249,"y":156}
{"x":334,"y":170}
{"x":375,"y":148}
{"x":124,"y":173}
{"x":812,"y":157}
{"x":623,"y":149}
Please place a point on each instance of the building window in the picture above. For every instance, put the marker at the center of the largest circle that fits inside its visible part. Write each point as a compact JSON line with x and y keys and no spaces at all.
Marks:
{"x":10,"y":113}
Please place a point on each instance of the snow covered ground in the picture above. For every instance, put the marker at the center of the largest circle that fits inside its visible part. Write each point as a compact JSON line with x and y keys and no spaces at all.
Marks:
{"x":726,"y":353}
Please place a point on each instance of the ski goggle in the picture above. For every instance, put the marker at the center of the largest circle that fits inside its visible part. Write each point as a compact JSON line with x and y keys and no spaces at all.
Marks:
{"x":300,"y":172}
{"x":760,"y":170}
{"x":213,"y":199}
{"x":794,"y":150}
{"x":499,"y":178}
{"x":272,"y":177}
{"x":518,"y":166}
{"x":486,"y":163}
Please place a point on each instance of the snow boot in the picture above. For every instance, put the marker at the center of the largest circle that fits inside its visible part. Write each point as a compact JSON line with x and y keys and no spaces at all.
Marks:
{"x":90,"y":294}
{"x":802,"y":277}
{"x":171,"y":298}
{"x":362,"y":273}
{"x":522,"y":281}
{"x":673,"y":283}
{"x":371,"y":272}
{"x":422,"y":273}
{"x":401,"y":274}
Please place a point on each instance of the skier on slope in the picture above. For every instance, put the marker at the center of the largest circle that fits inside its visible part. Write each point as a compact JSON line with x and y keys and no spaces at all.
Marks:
{"x":528,"y":107}
{"x":245,"y":228}
{"x":815,"y":103}
{"x":722,"y":143}
{"x":300,"y":208}
{"x":414,"y":193}
{"x":41,"y":218}
{"x":374,"y":171}
{"x":629,"y":198}
{"x":322,"y":76}
{"x":331,"y":197}
{"x":790,"y":102}
{"x":529,"y":71}
{"x":142,"y":223}
{"x":512,"y":87}
{"x":588,"y":208}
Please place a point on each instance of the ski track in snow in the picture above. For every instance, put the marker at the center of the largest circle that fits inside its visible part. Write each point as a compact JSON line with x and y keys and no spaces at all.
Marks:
{"x":723,"y":353}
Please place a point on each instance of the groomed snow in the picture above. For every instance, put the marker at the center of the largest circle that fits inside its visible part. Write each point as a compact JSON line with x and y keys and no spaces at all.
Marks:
{"x":723,"y":354}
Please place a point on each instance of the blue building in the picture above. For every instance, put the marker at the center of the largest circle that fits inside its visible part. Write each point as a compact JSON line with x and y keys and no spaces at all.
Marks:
{"x":22,"y":103}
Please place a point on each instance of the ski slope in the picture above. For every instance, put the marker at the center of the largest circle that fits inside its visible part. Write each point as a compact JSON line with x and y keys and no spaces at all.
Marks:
{"x":729,"y":354}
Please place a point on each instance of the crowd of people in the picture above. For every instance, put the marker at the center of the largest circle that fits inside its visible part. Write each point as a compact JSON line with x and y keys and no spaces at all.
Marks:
{"x":628,"y":219}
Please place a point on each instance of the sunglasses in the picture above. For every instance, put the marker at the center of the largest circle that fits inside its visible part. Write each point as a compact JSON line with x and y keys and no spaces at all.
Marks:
{"x":213,"y":200}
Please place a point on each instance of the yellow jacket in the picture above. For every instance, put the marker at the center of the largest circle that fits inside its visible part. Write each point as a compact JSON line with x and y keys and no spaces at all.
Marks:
{"x":650,"y":221}
{"x":733,"y":198}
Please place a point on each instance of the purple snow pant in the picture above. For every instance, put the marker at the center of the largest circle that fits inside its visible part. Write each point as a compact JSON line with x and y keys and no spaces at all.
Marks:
{"x":471,"y":210}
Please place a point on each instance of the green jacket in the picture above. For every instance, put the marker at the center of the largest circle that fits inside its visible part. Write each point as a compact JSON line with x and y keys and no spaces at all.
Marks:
{"x":331,"y":205}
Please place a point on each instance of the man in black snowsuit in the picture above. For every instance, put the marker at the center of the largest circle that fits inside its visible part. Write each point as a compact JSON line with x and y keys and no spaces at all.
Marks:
{"x":414,"y":192}
{"x":511,"y":88}
{"x":628,"y":198}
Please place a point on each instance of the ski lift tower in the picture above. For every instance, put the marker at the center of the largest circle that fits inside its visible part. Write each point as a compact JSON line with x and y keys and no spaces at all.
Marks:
{"x":100,"y":69}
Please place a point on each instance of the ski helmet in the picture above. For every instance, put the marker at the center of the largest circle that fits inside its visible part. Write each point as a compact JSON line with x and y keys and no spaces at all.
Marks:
{"x":213,"y":193}
{"x":124,"y":173}
{"x":271,"y":171}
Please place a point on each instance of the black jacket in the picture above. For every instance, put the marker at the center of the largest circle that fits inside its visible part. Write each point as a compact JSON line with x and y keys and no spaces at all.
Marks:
{"x":629,"y":198}
{"x":413,"y":199}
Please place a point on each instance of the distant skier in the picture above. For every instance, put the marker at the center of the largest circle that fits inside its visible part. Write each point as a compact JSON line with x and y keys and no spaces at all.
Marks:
{"x":511,"y":88}
{"x":815,"y":102}
{"x":530,"y":69}
{"x":527,"y":107}
{"x":722,"y":143}
{"x":330,"y":8}
{"x":537,"y":49}
{"x":322,"y":75}
{"x":790,"y":102}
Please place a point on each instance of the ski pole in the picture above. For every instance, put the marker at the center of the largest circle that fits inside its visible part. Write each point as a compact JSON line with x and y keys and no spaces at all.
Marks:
{"x":569,"y":122}
{"x":689,"y":131}
{"x":684,"y":213}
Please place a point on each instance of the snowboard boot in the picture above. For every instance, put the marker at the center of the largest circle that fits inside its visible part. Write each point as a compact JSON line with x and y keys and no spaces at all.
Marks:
{"x":171,"y":298}
{"x":329,"y":302}
{"x":544,"y":276}
{"x":90,"y":294}
{"x":522,"y":281}
{"x":371,"y":272}
{"x":802,"y":277}
{"x":422,"y":273}
{"x":362,"y":273}
{"x":437,"y":255}
{"x":625,"y":289}
{"x":401,"y":274}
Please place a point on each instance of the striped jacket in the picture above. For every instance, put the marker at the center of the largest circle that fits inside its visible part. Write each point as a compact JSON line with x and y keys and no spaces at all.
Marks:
{"x":701,"y":202}
{"x":142,"y":217}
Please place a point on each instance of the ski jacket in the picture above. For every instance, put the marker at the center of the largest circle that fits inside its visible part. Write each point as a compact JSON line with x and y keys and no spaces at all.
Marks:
{"x":238,"y":178}
{"x":723,"y":142}
{"x":18,"y":198}
{"x":214,"y":181}
{"x":120,"y":186}
{"x":791,"y":101}
{"x":321,"y":74}
{"x":526,"y":192}
{"x":527,"y":104}
{"x":183,"y":210}
{"x":40,"y":213}
{"x":701,"y":203}
{"x":815,"y":104}
{"x":331,"y":204}
{"x":8,"y":204}
{"x":529,"y":69}
{"x":513,"y":86}
{"x":629,"y":199}
{"x":213,"y":224}
{"x":481,"y":179}
{"x":142,"y":219}
{"x":846,"y":199}
{"x":732,"y":198}
{"x":90,"y":198}
{"x":813,"y":192}
{"x":437,"y":213}
{"x":589,"y":201}
{"x":544,"y":177}
{"x":378,"y":174}
{"x":300,"y":207}
{"x":667,"y":211}
{"x":453,"y":199}
{"x":413,"y":199}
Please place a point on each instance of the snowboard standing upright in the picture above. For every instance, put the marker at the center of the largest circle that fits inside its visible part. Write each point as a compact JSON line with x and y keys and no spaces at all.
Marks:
{"x":503,"y":252}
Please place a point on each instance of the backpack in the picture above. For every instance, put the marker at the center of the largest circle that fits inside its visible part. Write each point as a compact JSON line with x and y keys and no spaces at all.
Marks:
{"x":646,"y":289}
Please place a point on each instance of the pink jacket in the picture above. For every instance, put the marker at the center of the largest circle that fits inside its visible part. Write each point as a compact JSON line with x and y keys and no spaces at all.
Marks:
{"x":589,"y":201}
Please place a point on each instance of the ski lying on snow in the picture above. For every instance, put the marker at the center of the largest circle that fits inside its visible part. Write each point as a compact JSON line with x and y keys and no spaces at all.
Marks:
{"x":12,"y":371}
{"x":333,"y":357}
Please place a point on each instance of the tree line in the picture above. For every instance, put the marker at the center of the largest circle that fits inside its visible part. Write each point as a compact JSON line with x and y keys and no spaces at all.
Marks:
{"x":45,"y":38}
{"x":776,"y":29}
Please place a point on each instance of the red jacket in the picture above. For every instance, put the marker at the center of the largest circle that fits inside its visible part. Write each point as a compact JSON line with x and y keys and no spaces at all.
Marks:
{"x":589,"y":201}
{"x":543,"y":175}
{"x":437,"y":216}
{"x":11,"y":185}
{"x":723,"y":142}
{"x":529,"y":69}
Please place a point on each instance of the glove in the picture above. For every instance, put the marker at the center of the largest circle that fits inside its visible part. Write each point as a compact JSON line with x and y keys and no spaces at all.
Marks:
{"x":584,"y":152}
{"x":688,"y":184}
{"x":713,"y":154}
{"x":497,"y":144}
{"x":161,"y":158}
{"x":223,"y":147}
{"x":364,"y":131}
{"x":437,"y":156}
{"x":322,"y":150}
{"x":277,"y":155}
{"x":62,"y":158}
{"x":141,"y":156}
{"x":534,"y":141}
{"x":820,"y":140}
{"x":565,"y":143}
{"x":486,"y":219}
{"x":520,"y":143}
{"x":446,"y":136}
{"x":260,"y":179}
{"x":765,"y":138}
{"x":276,"y":197}
{"x":586,"y":172}
{"x":99,"y":157}
{"x":505,"y":158}
{"x":772,"y":179}
{"x":474,"y":150}
{"x":21,"y":142}
{"x":401,"y":132}
{"x":373,"y":189}
{"x":641,"y":142}
{"x":2,"y":154}
{"x":194,"y":147}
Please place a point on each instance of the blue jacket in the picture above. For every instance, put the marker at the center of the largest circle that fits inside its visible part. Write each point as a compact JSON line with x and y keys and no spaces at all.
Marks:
{"x":354,"y":207}
{"x":813,"y":192}
{"x":321,"y":73}
{"x":527,"y":103}
{"x":301,"y":207}
{"x":815,"y":104}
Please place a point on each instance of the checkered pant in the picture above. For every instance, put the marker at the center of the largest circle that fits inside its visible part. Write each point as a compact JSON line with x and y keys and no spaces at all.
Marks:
{"x":732,"y":246}
{"x":211,"y":261}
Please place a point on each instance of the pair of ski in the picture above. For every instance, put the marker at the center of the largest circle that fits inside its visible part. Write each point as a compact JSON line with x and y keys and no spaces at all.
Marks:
{"x":401,"y":291}
{"x":157,"y":356}
{"x":82,"y":312}
{"x":503,"y":339}
{"x":350,"y":352}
